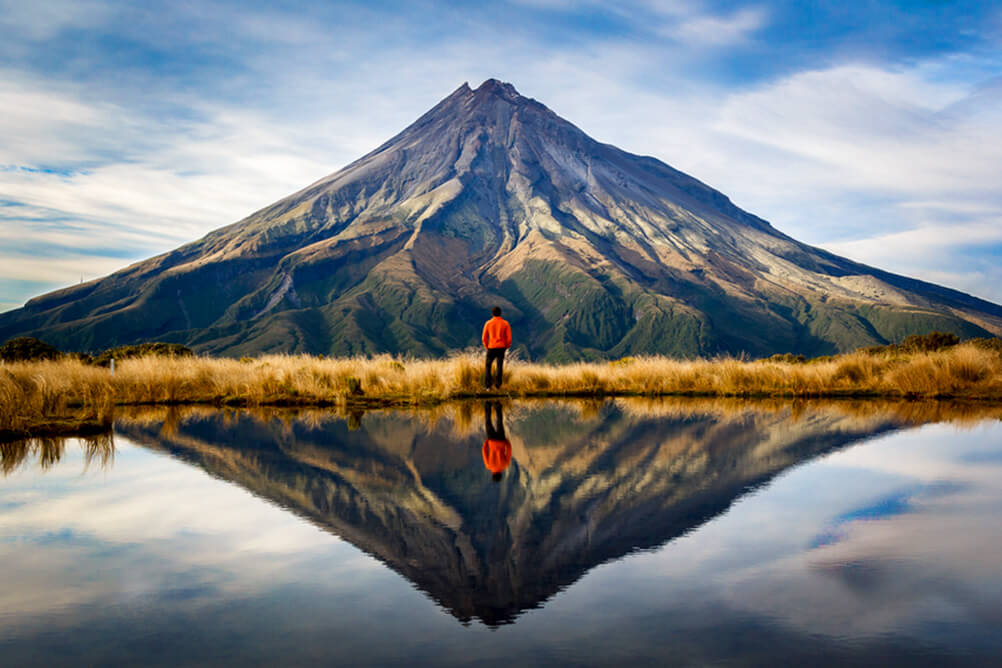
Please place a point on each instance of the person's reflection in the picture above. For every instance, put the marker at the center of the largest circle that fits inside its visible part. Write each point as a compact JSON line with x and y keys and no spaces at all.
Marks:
{"x":497,"y":448}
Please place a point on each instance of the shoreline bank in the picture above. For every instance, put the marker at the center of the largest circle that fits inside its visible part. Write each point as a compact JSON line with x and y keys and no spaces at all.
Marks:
{"x":44,"y":397}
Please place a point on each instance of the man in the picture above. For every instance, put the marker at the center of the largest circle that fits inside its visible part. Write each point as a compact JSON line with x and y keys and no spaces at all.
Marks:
{"x":497,"y":447}
{"x":497,"y":339}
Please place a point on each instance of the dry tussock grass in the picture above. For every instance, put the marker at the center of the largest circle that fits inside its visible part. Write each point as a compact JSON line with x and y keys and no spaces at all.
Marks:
{"x":30,"y":392}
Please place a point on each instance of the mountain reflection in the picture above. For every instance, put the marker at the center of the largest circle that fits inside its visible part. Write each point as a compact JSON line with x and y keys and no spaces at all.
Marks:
{"x":493,"y":521}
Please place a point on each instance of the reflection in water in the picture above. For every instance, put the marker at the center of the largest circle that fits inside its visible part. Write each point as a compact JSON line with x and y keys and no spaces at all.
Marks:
{"x":46,"y":452}
{"x":881,"y":553}
{"x":497,"y":447}
{"x":570,"y":487}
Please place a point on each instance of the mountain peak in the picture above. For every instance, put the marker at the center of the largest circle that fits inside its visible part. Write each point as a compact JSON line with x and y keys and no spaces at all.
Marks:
{"x":499,"y":88}
{"x":491,"y":94}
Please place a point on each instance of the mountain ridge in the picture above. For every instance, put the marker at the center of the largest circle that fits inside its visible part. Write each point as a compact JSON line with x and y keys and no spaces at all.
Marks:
{"x":490,"y":197}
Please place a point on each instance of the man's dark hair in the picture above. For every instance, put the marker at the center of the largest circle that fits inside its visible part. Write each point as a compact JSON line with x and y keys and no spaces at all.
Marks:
{"x":497,"y":476}
{"x":496,"y":311}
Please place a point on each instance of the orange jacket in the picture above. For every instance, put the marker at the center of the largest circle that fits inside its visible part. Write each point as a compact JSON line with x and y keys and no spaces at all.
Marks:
{"x":497,"y":333}
{"x":497,"y":455}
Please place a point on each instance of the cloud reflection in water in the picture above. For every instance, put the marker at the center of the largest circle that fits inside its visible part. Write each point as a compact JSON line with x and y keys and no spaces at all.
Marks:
{"x":725,"y":508}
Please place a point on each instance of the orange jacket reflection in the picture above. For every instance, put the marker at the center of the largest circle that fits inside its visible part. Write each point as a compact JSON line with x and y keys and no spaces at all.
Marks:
{"x":497,"y":454}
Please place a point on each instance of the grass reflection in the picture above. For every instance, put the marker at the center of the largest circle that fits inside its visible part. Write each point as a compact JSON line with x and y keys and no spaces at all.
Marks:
{"x":46,"y":452}
{"x":463,"y":417}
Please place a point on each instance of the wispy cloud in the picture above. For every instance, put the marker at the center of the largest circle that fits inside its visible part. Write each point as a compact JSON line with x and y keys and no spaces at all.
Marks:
{"x":43,"y":20}
{"x":717,"y":31}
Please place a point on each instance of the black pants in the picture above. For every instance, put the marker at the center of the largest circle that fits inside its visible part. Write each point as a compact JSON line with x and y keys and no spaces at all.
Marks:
{"x":494,"y":433}
{"x":494,"y":354}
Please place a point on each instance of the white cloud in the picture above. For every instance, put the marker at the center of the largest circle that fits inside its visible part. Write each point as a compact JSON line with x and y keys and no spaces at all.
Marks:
{"x":42,"y":123}
{"x":923,"y":243}
{"x":716,"y":31}
{"x":68,"y":269}
{"x":877,"y":129}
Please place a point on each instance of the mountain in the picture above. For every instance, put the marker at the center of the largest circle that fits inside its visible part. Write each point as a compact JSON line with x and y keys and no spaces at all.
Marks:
{"x":491,"y":198}
{"x":581,"y":490}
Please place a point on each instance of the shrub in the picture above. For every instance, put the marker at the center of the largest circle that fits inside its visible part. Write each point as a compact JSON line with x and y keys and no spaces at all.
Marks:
{"x":354,"y":385}
{"x":821,"y":360}
{"x":931,"y":341}
{"x":850,"y":370}
{"x":156,"y":349}
{"x":26,"y":349}
{"x":993,"y":344}
{"x":917,"y":343}
{"x":468,"y":374}
{"x":787,"y":358}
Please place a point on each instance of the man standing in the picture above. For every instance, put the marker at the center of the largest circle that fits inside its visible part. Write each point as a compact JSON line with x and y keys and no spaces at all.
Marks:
{"x":497,"y":339}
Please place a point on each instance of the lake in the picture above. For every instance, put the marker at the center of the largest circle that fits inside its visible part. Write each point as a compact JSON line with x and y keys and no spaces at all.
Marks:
{"x":524,"y":533}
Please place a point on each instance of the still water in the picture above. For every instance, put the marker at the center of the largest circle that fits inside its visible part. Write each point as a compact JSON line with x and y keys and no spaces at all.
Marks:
{"x":702,"y":533}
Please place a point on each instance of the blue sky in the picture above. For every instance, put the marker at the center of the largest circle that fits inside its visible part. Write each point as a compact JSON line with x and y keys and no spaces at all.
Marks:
{"x":873,"y":129}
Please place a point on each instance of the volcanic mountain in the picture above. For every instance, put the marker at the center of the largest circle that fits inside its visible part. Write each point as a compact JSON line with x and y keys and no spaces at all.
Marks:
{"x":491,"y":198}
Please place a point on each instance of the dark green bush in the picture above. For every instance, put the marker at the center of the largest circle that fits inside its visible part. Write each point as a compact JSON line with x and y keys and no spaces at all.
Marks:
{"x":26,"y":349}
{"x":993,"y":343}
{"x":931,"y":341}
{"x":822,"y":358}
{"x":143,"y":350}
{"x":787,"y":358}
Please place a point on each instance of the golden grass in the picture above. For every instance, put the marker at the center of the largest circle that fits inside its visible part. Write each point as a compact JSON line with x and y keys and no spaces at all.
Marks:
{"x":38,"y":392}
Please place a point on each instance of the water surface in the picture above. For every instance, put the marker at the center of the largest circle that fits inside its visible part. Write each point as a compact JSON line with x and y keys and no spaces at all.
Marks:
{"x":580,"y":533}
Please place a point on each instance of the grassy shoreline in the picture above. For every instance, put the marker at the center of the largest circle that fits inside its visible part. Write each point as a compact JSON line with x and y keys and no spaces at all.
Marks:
{"x":60,"y":396}
{"x":463,"y":418}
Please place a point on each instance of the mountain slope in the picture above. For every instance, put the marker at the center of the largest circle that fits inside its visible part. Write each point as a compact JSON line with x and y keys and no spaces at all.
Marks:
{"x":490,"y":198}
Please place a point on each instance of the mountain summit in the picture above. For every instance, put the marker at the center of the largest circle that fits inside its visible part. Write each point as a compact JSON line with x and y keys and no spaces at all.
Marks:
{"x":491,"y":198}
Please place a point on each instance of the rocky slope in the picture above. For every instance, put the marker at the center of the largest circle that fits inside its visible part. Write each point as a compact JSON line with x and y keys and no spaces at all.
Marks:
{"x":491,"y":198}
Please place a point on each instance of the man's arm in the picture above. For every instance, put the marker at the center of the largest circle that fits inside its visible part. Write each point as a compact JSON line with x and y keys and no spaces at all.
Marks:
{"x":507,"y":335}
{"x":483,"y":337}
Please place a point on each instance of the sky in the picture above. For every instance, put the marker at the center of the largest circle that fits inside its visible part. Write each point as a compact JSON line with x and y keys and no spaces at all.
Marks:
{"x":870,"y":128}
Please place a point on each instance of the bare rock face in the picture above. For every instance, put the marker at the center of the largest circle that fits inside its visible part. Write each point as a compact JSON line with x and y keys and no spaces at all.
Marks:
{"x":491,"y":198}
